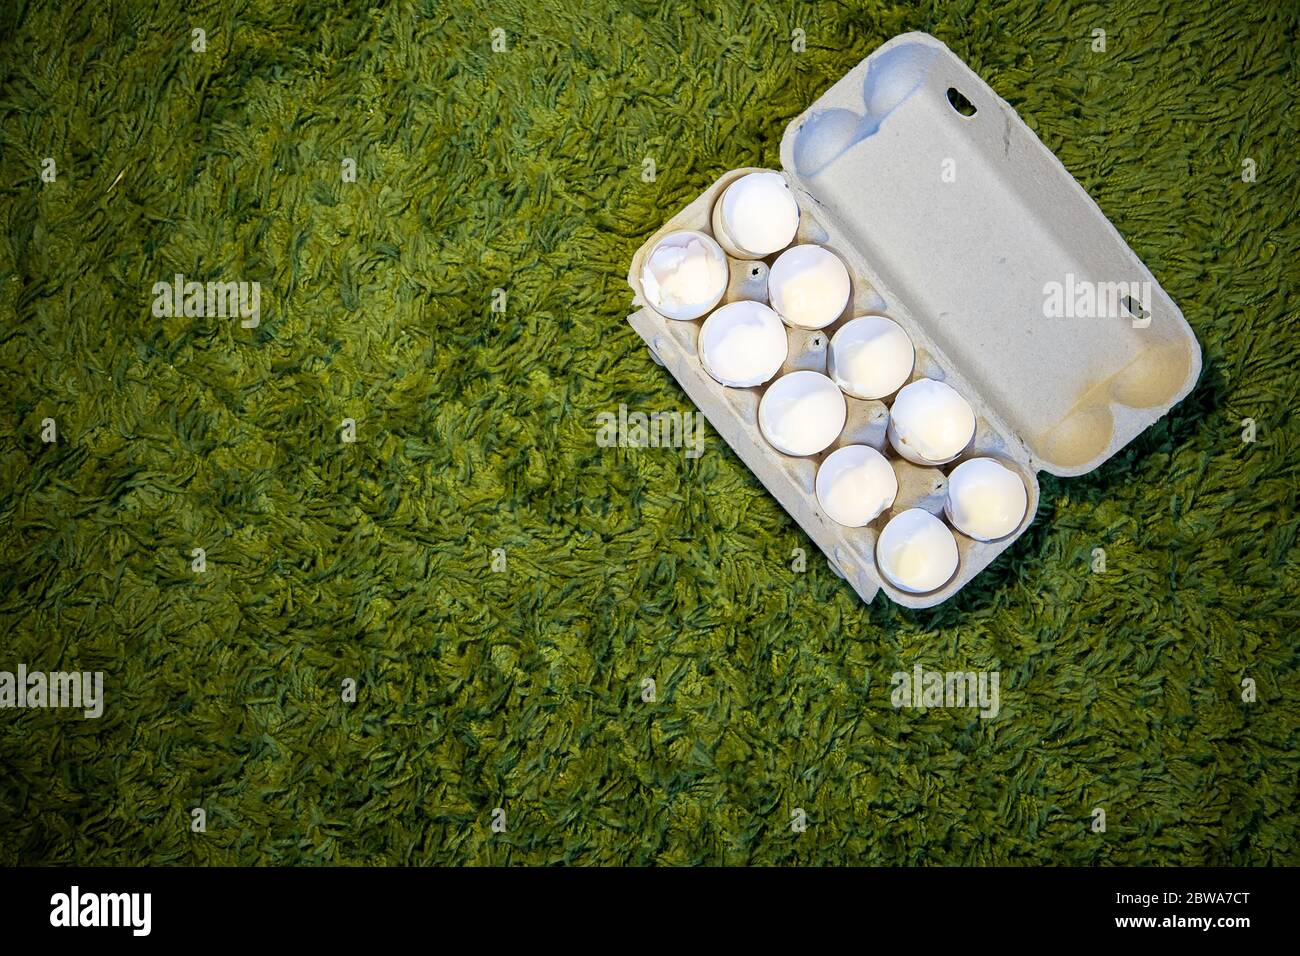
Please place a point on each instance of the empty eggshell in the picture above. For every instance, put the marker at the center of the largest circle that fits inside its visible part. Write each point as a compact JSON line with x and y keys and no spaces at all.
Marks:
{"x":986,"y":500}
{"x":756,"y":216}
{"x":871,"y":357}
{"x":917,"y":552}
{"x":802,"y":413}
{"x":855,"y":484}
{"x":808,"y":286}
{"x":685,"y":275}
{"x":743,"y":344}
{"x":929,"y":423}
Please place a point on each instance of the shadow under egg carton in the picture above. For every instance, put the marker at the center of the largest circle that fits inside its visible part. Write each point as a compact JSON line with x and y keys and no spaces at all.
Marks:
{"x":733,"y":412}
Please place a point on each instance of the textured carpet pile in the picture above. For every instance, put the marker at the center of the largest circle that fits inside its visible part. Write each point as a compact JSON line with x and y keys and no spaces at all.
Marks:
{"x":522,"y":171}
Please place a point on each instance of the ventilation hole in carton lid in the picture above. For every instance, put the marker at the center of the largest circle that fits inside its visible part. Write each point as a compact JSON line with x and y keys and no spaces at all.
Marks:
{"x":959,"y":102}
{"x":755,"y":271}
{"x":1134,"y":308}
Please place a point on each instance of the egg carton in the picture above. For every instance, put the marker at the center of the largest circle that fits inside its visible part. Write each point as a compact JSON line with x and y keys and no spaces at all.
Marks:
{"x":955,"y":221}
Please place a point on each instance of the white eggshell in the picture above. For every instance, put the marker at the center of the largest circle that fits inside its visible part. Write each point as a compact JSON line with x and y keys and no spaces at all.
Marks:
{"x":808,"y":286}
{"x":685,"y":275}
{"x":855,"y":484}
{"x":929,"y":423}
{"x":802,"y":413}
{"x":917,"y":552}
{"x":743,"y":344}
{"x":871,"y":357}
{"x":986,"y":500}
{"x":756,"y":216}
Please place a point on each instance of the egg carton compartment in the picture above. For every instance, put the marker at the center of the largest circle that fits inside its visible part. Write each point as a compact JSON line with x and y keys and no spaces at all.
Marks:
{"x":828,"y":175}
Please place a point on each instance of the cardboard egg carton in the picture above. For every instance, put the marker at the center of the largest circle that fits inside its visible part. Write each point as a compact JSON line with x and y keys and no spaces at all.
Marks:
{"x":957,"y":223}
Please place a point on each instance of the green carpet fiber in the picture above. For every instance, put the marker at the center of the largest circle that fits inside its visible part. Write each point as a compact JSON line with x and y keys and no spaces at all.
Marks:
{"x":521,"y":689}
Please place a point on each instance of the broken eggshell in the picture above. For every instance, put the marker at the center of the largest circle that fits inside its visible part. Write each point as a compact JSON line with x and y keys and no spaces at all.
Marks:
{"x":929,"y":423}
{"x":917,"y":552}
{"x":986,"y":500}
{"x":871,"y":357}
{"x":743,"y":344}
{"x":809,"y":286}
{"x":855,"y":484}
{"x":756,"y":216}
{"x":802,"y":413}
{"x":685,"y":275}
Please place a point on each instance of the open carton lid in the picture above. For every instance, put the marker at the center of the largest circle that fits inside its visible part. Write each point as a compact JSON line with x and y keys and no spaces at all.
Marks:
{"x":965,"y":222}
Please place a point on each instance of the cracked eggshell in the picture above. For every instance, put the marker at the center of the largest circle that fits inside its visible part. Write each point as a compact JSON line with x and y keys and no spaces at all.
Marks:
{"x":809,"y":286}
{"x":871,"y":357}
{"x":756,"y":216}
{"x":986,"y":500}
{"x":855,"y":484}
{"x":743,"y":344}
{"x":802,"y":413}
{"x":917,"y":552}
{"x":685,"y":275}
{"x":930,"y":423}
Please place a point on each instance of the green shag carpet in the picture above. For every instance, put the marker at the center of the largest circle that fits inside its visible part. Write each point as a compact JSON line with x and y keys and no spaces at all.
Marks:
{"x":521,"y":689}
